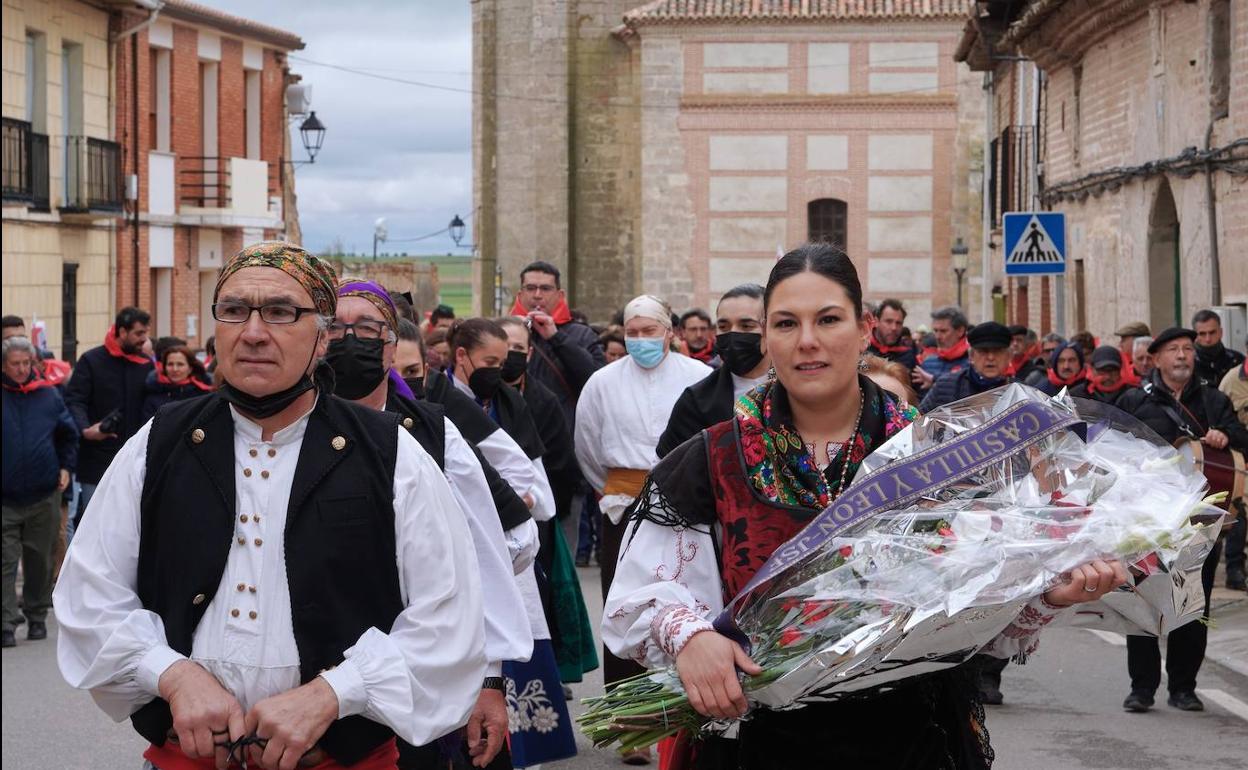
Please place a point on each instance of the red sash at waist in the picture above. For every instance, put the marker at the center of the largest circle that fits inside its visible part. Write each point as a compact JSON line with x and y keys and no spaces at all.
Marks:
{"x":170,"y":757}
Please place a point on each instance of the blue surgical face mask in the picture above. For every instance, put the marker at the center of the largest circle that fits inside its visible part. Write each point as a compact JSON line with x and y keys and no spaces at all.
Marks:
{"x":646,"y":351}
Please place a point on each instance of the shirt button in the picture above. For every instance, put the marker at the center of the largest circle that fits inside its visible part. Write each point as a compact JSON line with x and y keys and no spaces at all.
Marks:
{"x":243,"y":518}
{"x":252,"y":589}
{"x":255,"y":517}
{"x":242,"y":541}
{"x":198,"y":600}
{"x":247,"y":472}
{"x":252,"y":452}
{"x":252,"y":615}
{"x":264,"y":474}
{"x":241,"y":586}
{"x":258,"y":542}
{"x":272,"y":453}
{"x":234,"y":613}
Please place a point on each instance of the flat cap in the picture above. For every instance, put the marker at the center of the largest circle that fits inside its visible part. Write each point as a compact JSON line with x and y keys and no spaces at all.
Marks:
{"x":1017,"y":330}
{"x":1106,"y":357}
{"x":1133,"y":329}
{"x":1169,"y":335}
{"x":989,"y":334}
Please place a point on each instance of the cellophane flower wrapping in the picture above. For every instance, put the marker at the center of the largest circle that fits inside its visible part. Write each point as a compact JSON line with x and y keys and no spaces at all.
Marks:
{"x":924,"y":585}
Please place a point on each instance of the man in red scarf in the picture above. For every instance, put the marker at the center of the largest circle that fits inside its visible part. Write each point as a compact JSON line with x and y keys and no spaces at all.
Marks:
{"x":887,"y":340}
{"x":952,"y":351}
{"x":565,"y":353}
{"x":109,"y":381}
{"x":698,"y":335}
{"x":1106,"y":382}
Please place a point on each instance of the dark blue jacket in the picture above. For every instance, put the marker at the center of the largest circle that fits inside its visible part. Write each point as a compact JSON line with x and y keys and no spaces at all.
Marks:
{"x":100,"y":384}
{"x":40,"y":438}
{"x":954,"y":386}
{"x":160,"y":393}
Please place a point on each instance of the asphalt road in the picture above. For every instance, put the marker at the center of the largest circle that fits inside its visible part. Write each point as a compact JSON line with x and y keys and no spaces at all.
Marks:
{"x":1062,"y":711}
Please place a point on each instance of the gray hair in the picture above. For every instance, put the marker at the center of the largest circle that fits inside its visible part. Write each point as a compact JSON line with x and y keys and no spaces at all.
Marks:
{"x":19,"y":344}
{"x":1055,"y":337}
{"x":952,"y":314}
{"x":1140,"y":342}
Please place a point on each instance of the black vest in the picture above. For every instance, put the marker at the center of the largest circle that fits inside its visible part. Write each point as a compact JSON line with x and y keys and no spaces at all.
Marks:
{"x":339,"y":539}
{"x":425,"y":421}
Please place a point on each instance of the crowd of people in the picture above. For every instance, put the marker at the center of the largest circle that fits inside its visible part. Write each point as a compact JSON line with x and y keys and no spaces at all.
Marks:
{"x":345,"y":533}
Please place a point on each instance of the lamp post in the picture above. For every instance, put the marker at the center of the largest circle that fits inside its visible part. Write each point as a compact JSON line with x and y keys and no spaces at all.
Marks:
{"x":959,"y":256}
{"x":379,"y":234}
{"x":312,"y":132}
{"x":456,"y":228}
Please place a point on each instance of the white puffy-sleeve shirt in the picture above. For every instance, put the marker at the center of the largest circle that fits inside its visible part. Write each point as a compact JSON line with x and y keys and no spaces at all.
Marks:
{"x":421,"y":679}
{"x":623,"y":410}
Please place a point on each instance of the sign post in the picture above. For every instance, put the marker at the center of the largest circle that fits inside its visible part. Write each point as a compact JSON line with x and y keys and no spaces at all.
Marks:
{"x":1035,"y":244}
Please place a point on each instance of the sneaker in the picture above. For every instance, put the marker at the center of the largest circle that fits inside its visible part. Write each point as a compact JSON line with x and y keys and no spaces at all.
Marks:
{"x":1138,"y":702}
{"x":8,"y":639}
{"x":1185,"y":701}
{"x":1235,"y":580}
{"x":567,"y":693}
{"x":37,"y":630}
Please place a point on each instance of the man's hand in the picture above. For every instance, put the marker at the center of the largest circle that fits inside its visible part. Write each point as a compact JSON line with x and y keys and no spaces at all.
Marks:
{"x":707,"y":666}
{"x":1216,"y":439}
{"x":920,"y":378}
{"x":543,"y":324}
{"x":488,"y":717}
{"x":62,"y":481}
{"x":292,"y":723}
{"x":93,"y":433}
{"x":204,"y":714}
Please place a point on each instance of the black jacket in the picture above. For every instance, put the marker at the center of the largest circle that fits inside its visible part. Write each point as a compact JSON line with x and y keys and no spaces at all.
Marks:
{"x":559,"y":459}
{"x":565,"y":362}
{"x":40,"y":438}
{"x":953,"y":386}
{"x":1198,"y":409}
{"x":909,"y":357}
{"x":1213,"y":365}
{"x":100,"y":384}
{"x":157,"y":393}
{"x":700,"y":406}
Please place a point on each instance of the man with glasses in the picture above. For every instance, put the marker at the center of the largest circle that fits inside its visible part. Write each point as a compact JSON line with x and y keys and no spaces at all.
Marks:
{"x":1174,"y":403}
{"x":565,"y":353}
{"x":280,"y":572}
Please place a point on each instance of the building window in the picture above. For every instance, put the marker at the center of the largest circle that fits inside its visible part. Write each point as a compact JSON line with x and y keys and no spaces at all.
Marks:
{"x":1219,"y":58}
{"x":251,"y":114}
{"x":826,"y":221}
{"x":159,"y":103}
{"x":37,"y":81}
{"x":1076,"y":121}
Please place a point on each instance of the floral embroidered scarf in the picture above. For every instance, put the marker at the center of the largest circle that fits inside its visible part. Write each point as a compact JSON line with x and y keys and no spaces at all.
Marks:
{"x":777,"y":461}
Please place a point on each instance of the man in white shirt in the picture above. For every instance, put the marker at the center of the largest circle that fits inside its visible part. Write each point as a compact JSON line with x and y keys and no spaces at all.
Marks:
{"x":273,"y":569}
{"x":622,"y":411}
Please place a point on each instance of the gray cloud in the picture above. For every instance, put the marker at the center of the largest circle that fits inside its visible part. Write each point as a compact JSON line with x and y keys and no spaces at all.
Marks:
{"x":393,"y":150}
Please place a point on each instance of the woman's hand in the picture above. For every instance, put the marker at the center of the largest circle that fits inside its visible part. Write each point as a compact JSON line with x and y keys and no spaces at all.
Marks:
{"x":707,"y":665}
{"x":1087,"y":583}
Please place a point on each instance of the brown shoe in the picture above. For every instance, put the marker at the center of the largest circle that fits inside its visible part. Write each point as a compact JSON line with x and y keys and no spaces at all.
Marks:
{"x":636,"y":757}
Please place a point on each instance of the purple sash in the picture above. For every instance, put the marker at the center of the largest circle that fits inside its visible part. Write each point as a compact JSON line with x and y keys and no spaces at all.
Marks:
{"x":901,"y":482}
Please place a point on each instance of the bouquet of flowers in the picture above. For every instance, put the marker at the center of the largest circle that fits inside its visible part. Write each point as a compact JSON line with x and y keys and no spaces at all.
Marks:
{"x":949,"y":529}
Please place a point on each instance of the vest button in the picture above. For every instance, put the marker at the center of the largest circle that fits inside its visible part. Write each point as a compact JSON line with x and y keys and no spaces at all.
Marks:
{"x":234,"y":613}
{"x":252,"y":614}
{"x":252,"y":452}
{"x":243,"y":518}
{"x":247,"y":472}
{"x":338,"y":443}
{"x":407,"y":423}
{"x":198,"y":435}
{"x":199,"y":599}
{"x":264,"y":474}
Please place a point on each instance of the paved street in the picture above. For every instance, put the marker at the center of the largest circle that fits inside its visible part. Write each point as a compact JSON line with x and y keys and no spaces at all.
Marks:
{"x":1062,"y":709}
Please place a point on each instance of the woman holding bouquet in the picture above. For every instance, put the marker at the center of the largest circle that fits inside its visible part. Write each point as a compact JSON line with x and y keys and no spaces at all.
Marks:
{"x":716,"y":508}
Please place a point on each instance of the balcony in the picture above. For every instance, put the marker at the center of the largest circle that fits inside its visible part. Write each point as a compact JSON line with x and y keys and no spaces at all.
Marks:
{"x":93,"y":184}
{"x":25,"y":165}
{"x":227,"y":191}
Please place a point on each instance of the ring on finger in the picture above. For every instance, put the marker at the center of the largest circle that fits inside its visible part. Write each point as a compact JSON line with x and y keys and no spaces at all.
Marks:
{"x":1091,"y":589}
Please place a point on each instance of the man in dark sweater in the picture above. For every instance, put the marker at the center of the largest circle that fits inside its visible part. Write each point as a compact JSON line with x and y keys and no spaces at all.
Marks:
{"x":40,"y":451}
{"x":1176,"y":405}
{"x":108,"y":382}
{"x":1213,"y":359}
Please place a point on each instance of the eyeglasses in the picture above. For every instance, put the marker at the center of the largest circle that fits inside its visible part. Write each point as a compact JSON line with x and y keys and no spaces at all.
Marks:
{"x":363,"y":330}
{"x":536,"y":288}
{"x":279,"y":313}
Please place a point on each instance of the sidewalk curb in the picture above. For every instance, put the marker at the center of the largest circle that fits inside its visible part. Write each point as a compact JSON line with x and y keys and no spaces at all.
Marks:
{"x":1228,"y":639}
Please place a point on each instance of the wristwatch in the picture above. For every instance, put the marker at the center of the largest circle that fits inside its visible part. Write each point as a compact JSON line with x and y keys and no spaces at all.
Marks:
{"x":493,"y":683}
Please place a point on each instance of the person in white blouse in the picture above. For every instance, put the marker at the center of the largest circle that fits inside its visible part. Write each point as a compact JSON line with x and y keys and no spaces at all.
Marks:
{"x":270,"y":569}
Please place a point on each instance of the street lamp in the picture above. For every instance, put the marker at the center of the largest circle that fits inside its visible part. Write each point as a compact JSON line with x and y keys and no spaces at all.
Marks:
{"x":959,"y":256}
{"x":312,"y":132}
{"x":379,"y":234}
{"x":457,"y":229}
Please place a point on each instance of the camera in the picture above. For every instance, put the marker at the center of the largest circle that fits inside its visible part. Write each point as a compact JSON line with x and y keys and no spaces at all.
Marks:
{"x":111,"y":422}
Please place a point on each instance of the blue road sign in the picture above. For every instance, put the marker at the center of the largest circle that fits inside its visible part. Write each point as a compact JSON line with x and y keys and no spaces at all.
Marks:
{"x":1035,"y":243}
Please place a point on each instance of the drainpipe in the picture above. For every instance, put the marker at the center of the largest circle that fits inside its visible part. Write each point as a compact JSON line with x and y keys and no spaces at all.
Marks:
{"x":985,"y":259}
{"x":1211,"y":202}
{"x":154,"y":8}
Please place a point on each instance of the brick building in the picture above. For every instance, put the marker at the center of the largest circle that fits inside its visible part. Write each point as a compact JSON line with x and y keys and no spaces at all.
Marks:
{"x":1130,"y":116}
{"x":677,"y":151}
{"x":204,"y":127}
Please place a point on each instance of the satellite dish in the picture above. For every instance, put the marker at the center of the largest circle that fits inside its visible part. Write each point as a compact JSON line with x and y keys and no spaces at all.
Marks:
{"x":298,"y":98}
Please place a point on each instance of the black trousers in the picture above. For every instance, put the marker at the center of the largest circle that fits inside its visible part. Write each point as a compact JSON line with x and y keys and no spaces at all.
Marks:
{"x":1235,"y":539}
{"x":1185,"y":646}
{"x":431,"y":757}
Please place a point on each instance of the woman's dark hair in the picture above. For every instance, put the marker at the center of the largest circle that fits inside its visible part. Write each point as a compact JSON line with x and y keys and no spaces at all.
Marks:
{"x":410,"y":332}
{"x":471,"y":333}
{"x":197,"y":367}
{"x":824,"y":259}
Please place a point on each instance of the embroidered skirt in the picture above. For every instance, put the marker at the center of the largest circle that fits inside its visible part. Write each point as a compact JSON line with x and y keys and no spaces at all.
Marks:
{"x":541,"y":730}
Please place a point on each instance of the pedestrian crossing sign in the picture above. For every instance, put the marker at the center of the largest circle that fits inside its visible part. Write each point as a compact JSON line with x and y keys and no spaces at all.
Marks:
{"x":1035,"y":243}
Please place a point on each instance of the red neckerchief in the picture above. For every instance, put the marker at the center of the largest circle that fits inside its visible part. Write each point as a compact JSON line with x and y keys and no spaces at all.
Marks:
{"x":1074,"y":379}
{"x":55,"y":372}
{"x":1129,"y":374}
{"x":959,"y":349}
{"x":561,"y":314}
{"x":706,"y":354}
{"x":1096,"y":385}
{"x":164,"y":380}
{"x":882,"y":348}
{"x":36,"y":382}
{"x":114,"y":349}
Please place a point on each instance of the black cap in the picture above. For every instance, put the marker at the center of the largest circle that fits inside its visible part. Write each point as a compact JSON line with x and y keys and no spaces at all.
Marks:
{"x":1173,"y":333}
{"x":1017,"y":330}
{"x":989,"y":334}
{"x":1105,"y":357}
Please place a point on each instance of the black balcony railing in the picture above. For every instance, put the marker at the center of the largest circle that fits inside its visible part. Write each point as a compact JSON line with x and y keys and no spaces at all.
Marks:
{"x":25,"y":159}
{"x":92,"y":174}
{"x":204,"y":181}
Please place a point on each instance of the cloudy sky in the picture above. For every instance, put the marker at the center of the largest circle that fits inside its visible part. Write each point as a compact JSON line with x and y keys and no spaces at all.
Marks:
{"x":392,"y":149}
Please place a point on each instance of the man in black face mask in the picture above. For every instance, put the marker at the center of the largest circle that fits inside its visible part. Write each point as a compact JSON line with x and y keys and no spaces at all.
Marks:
{"x":739,"y":328}
{"x":1213,"y":359}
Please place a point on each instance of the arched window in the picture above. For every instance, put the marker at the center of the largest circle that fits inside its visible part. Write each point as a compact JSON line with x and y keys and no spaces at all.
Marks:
{"x":826,"y":221}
